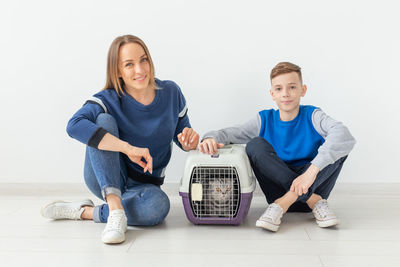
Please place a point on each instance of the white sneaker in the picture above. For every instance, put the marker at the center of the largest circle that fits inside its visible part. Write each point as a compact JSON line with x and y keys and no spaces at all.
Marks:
{"x":116,"y":227}
{"x":59,"y":209}
{"x":324,"y":216}
{"x":271,"y":218}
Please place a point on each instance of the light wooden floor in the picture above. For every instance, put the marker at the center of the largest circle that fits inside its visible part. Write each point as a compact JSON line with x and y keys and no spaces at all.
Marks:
{"x":369,"y":233}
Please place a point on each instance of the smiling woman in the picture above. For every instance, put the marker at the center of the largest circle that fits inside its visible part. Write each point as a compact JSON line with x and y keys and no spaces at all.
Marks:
{"x":128,"y":128}
{"x":128,"y":56}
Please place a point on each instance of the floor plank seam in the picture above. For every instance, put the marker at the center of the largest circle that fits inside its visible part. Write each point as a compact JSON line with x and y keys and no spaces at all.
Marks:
{"x":320,"y":260}
{"x":305,"y":229}
{"x":129,"y":248}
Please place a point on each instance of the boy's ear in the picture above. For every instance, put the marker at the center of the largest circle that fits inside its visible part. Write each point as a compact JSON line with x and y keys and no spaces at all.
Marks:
{"x":303,"y":90}
{"x":271,"y":92}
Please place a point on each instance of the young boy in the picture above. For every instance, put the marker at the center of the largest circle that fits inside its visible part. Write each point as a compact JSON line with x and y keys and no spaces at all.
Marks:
{"x":296,"y":152}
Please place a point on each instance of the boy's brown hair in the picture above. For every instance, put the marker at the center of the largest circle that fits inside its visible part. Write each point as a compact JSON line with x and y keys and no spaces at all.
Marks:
{"x":285,"y":67}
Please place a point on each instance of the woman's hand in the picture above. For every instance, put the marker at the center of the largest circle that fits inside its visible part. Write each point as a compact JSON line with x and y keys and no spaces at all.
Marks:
{"x":302,"y":183}
{"x":210,"y":146}
{"x":137,"y":154}
{"x":188,"y":138}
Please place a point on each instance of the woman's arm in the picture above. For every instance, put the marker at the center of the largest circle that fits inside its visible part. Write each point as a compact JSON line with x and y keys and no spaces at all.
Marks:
{"x":184,"y":137}
{"x":82,"y":127}
{"x":136,"y":154}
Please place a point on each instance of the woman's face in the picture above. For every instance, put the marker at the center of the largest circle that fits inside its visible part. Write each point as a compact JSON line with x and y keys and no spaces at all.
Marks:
{"x":134,"y":67}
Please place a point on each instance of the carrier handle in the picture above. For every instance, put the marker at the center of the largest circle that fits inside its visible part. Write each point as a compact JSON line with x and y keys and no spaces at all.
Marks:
{"x":216,"y":155}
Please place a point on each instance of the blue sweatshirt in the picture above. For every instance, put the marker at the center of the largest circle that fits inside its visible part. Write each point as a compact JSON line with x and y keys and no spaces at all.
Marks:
{"x":153,"y":126}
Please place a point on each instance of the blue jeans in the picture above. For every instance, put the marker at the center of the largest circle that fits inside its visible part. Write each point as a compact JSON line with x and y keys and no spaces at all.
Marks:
{"x":275,"y":176}
{"x":105,"y":173}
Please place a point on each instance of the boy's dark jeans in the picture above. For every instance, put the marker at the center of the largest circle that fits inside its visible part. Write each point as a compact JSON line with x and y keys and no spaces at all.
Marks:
{"x":275,"y":176}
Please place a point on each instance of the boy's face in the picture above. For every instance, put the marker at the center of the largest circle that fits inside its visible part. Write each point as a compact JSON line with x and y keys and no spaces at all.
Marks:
{"x":286,"y":91}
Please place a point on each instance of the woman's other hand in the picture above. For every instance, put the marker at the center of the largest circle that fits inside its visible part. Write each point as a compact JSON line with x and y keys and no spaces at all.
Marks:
{"x":188,"y":138}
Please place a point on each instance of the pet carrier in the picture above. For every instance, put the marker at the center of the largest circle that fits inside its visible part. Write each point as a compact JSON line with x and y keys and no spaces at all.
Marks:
{"x":217,"y":189}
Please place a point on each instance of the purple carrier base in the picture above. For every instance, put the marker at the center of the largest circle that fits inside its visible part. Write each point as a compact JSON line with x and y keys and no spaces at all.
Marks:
{"x":245,"y":200}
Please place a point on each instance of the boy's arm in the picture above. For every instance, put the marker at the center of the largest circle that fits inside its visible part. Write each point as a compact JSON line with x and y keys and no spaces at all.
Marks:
{"x":338,"y":143}
{"x":338,"y":139}
{"x":240,"y":134}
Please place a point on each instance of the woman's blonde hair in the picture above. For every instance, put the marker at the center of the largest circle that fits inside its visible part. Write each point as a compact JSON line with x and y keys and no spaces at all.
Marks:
{"x":113,"y":81}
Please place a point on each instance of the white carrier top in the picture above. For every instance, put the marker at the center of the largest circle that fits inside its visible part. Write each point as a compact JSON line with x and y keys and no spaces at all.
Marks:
{"x":228,"y":156}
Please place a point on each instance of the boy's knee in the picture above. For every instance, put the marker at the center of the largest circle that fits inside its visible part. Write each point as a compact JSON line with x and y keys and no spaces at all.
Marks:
{"x":258,"y":146}
{"x":108,"y":123}
{"x":341,"y":160}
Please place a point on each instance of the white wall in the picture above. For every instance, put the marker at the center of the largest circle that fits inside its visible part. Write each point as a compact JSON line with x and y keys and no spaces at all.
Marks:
{"x":53,"y":55}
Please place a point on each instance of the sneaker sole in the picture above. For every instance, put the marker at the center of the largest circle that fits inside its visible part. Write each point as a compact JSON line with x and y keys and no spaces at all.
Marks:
{"x":329,"y":223}
{"x":86,"y":202}
{"x":113,"y":240}
{"x":267,"y":226}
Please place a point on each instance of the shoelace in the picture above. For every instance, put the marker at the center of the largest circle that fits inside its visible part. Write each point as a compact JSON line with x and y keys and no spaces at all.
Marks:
{"x":70,"y":213}
{"x":114,"y":222}
{"x":323,"y":209}
{"x":271,"y":212}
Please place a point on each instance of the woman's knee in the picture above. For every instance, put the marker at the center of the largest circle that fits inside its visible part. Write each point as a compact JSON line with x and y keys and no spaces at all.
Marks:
{"x":90,"y":177}
{"x":108,"y":123}
{"x":150,"y":207}
{"x":160,"y":207}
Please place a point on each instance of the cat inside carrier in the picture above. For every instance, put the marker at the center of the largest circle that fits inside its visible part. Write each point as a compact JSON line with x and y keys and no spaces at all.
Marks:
{"x":217,"y":189}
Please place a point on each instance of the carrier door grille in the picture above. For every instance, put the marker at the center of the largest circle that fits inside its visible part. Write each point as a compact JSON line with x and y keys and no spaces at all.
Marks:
{"x":214,"y":192}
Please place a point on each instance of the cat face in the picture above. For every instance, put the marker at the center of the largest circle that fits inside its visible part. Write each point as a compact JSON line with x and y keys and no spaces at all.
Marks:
{"x":220,"y":191}
{"x":224,"y":190}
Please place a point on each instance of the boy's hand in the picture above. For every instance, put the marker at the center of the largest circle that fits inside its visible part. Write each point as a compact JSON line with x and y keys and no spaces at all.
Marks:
{"x":188,"y":138}
{"x":210,"y":146}
{"x":302,"y":183}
